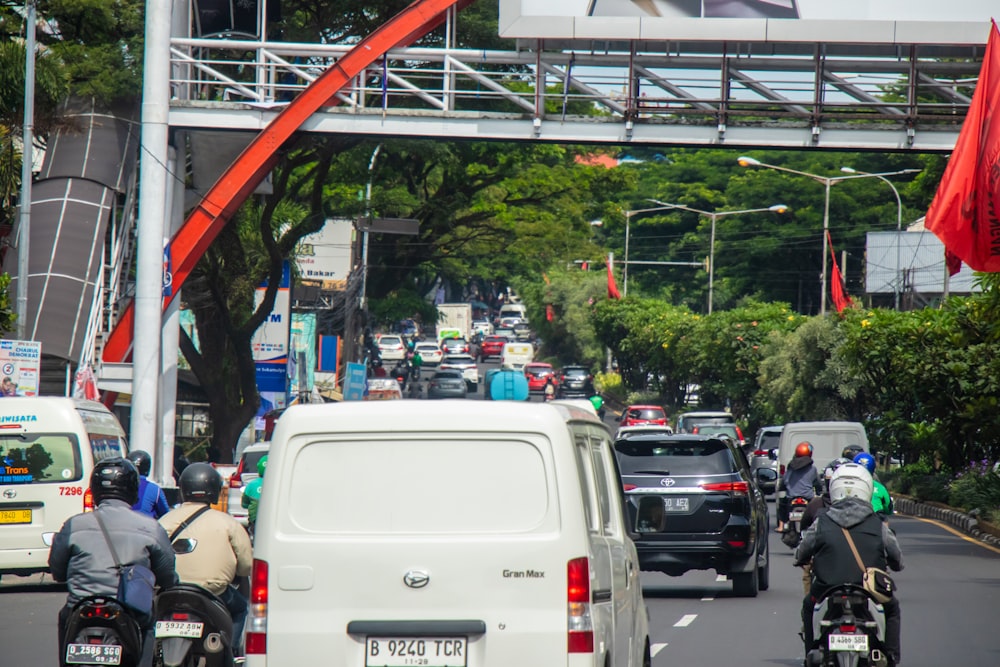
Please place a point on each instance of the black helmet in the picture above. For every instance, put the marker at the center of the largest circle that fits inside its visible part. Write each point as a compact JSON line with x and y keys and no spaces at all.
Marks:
{"x":851,"y":451}
{"x":141,"y":460}
{"x":115,"y":478}
{"x":200,"y":483}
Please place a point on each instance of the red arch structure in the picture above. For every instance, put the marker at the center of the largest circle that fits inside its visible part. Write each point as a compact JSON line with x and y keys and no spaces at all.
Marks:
{"x":252,"y":166}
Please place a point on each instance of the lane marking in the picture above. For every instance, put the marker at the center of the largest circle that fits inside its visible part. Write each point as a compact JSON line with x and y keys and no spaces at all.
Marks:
{"x":656,"y":648}
{"x":951,"y":530}
{"x":686,"y":620}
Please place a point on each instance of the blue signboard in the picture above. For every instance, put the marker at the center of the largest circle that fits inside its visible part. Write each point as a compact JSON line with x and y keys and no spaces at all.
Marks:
{"x":355,"y":382}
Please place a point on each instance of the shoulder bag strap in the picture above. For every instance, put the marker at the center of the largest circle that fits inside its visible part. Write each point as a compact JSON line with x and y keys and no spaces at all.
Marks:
{"x":107,"y":538}
{"x":854,"y":550}
{"x":188,"y":521}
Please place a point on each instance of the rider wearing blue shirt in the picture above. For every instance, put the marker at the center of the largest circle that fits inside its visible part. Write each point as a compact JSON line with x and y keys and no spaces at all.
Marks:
{"x":152,"y":501}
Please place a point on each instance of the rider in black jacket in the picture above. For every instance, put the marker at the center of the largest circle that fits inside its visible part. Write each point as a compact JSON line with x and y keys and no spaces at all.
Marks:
{"x":833,"y":562}
{"x":81,"y":557}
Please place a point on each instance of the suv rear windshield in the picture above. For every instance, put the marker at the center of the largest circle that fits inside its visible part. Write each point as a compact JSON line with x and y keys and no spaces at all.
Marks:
{"x":39,"y":457}
{"x":537,"y":371}
{"x":666,"y":457}
{"x":575,"y":372}
{"x":647,"y":413}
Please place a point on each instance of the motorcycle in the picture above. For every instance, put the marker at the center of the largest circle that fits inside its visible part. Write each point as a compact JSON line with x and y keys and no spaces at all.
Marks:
{"x":796,"y":510}
{"x":99,"y":631}
{"x":193,"y":626}
{"x":850,"y":630}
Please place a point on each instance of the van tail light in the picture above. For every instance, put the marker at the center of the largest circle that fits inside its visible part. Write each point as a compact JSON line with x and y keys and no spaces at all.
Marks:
{"x":630,"y":487}
{"x":580,"y":623}
{"x":760,"y":452}
{"x":88,"y":501}
{"x":256,"y":637}
{"x":236,"y":480}
{"x":739,"y":434}
{"x":781,"y":470}
{"x":735,"y":488}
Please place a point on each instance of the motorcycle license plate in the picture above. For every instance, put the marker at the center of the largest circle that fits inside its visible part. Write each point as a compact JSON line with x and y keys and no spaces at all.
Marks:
{"x":178,"y":629}
{"x":410,"y":651}
{"x":849,"y":643}
{"x":795,"y":515}
{"x":93,"y":654}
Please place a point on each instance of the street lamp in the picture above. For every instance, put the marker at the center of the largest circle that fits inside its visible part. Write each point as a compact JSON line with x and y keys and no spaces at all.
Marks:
{"x":628,"y":223}
{"x":364,"y":236}
{"x":714,"y":216}
{"x":827,"y":181}
{"x":897,"y":282}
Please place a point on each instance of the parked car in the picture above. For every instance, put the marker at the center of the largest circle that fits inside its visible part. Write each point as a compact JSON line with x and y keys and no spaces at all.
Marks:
{"x":464,"y":363}
{"x":575,"y":382}
{"x":491,"y":347}
{"x":644,"y":414}
{"x":447,"y":384}
{"x":694,"y":504}
{"x":246,"y":470}
{"x":455,"y":346}
{"x":764,"y":453}
{"x":538,"y":374}
{"x":391,"y":347}
{"x":430,"y":353}
{"x":682,"y":421}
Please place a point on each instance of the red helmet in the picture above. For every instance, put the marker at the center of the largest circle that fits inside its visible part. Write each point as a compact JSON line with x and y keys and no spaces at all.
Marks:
{"x":803,"y":449}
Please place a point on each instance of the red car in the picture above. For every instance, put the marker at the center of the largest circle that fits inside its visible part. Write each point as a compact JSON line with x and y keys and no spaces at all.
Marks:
{"x":644,"y":414}
{"x":538,"y":374}
{"x":491,"y":346}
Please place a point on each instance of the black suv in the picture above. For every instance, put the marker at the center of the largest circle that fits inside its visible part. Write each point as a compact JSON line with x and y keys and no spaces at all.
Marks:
{"x":694,"y":505}
{"x":576,"y":382}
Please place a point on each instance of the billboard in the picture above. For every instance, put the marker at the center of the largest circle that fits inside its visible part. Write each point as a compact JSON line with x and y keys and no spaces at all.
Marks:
{"x":20,"y":362}
{"x":845,"y":21}
{"x":326,"y":254}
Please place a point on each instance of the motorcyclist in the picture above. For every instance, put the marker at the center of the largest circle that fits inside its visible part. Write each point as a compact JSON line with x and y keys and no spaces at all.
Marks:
{"x":223,"y":549}
{"x":152,"y":502}
{"x":881,"y":500}
{"x":818,"y":505}
{"x":800,"y":480}
{"x":81,"y":557}
{"x":598,"y":402}
{"x":416,"y":364}
{"x":833,"y":562}
{"x":251,"y":493}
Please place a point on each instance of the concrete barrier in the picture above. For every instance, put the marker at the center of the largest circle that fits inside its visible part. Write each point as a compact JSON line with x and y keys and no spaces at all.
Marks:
{"x":966,"y":523}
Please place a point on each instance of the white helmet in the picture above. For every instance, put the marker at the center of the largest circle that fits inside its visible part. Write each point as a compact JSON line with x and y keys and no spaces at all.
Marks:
{"x":851,"y":480}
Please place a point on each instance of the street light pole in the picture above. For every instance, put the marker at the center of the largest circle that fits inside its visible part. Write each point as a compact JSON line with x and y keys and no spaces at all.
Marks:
{"x":897,"y":281}
{"x":714,"y":217}
{"x":364,"y":236}
{"x":827,"y":181}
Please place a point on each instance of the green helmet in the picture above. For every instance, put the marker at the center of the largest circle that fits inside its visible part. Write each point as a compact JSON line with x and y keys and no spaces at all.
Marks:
{"x":262,"y":465}
{"x":597,"y":402}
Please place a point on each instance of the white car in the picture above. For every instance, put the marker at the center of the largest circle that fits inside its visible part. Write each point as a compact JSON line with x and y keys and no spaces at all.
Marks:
{"x":465,"y":363}
{"x":391,"y":348}
{"x":430,"y":353}
{"x":246,"y":470}
{"x":482,"y":326}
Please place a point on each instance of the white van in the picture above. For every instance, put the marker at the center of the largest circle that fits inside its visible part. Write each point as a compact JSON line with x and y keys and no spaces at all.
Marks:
{"x":445,"y":533}
{"x":517,"y":310}
{"x":48,"y":448}
{"x":828,"y":439}
{"x":516,"y":355}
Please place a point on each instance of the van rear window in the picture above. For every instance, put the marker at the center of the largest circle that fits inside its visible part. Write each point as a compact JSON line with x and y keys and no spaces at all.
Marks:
{"x":39,"y":458}
{"x":387,"y":487}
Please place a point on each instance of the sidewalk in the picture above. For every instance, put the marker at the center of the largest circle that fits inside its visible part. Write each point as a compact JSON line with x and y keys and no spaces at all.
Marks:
{"x":963,"y":522}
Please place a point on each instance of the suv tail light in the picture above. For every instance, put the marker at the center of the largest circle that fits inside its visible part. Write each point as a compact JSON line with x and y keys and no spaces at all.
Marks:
{"x":580,"y":624}
{"x":88,"y":501}
{"x":760,"y":452}
{"x":236,"y":479}
{"x":735,"y":488}
{"x":256,"y":638}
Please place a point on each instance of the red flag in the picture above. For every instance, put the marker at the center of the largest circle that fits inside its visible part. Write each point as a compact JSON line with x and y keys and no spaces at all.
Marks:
{"x":613,"y":292}
{"x":965,"y":213}
{"x":550,"y":313}
{"x":840,"y":300}
{"x":953,"y":262}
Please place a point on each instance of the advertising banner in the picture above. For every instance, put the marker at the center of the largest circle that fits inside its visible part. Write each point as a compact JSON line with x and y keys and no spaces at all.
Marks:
{"x":326,"y":255}
{"x":303,"y":353}
{"x":270,"y":341}
{"x":356,"y":382}
{"x":847,"y":21}
{"x":20,"y":361}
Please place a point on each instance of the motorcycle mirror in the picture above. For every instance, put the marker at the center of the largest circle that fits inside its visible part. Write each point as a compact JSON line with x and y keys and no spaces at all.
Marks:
{"x":184,"y":545}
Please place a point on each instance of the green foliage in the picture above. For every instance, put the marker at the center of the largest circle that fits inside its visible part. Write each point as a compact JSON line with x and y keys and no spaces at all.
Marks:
{"x":610,"y":385}
{"x":398,"y":305}
{"x":976,"y":487}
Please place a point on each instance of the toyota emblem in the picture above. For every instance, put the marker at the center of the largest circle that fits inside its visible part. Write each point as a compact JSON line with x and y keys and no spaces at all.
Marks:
{"x":416,"y":579}
{"x":9,"y":493}
{"x":666,"y":481}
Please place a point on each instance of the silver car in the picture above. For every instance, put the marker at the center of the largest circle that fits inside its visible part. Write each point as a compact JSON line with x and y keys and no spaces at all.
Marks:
{"x":466,"y":364}
{"x":765,"y":451}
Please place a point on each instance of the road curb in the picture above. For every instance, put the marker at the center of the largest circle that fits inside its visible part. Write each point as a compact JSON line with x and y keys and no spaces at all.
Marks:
{"x":960,"y":520}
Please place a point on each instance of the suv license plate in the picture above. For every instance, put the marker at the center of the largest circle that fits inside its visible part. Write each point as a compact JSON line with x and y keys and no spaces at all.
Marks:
{"x":93,"y":654}
{"x":179,"y":629}
{"x":849,"y":643}
{"x":676,"y":505}
{"x":415,"y":651}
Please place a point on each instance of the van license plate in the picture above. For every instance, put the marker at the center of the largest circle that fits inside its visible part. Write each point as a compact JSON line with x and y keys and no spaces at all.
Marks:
{"x":179,"y":629}
{"x":93,"y":654}
{"x":415,"y":651}
{"x":15,"y":516}
{"x":849,"y":643}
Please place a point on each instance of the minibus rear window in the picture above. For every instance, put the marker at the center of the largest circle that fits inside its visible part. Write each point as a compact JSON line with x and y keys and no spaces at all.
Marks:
{"x":40,"y":458}
{"x":412,"y":486}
